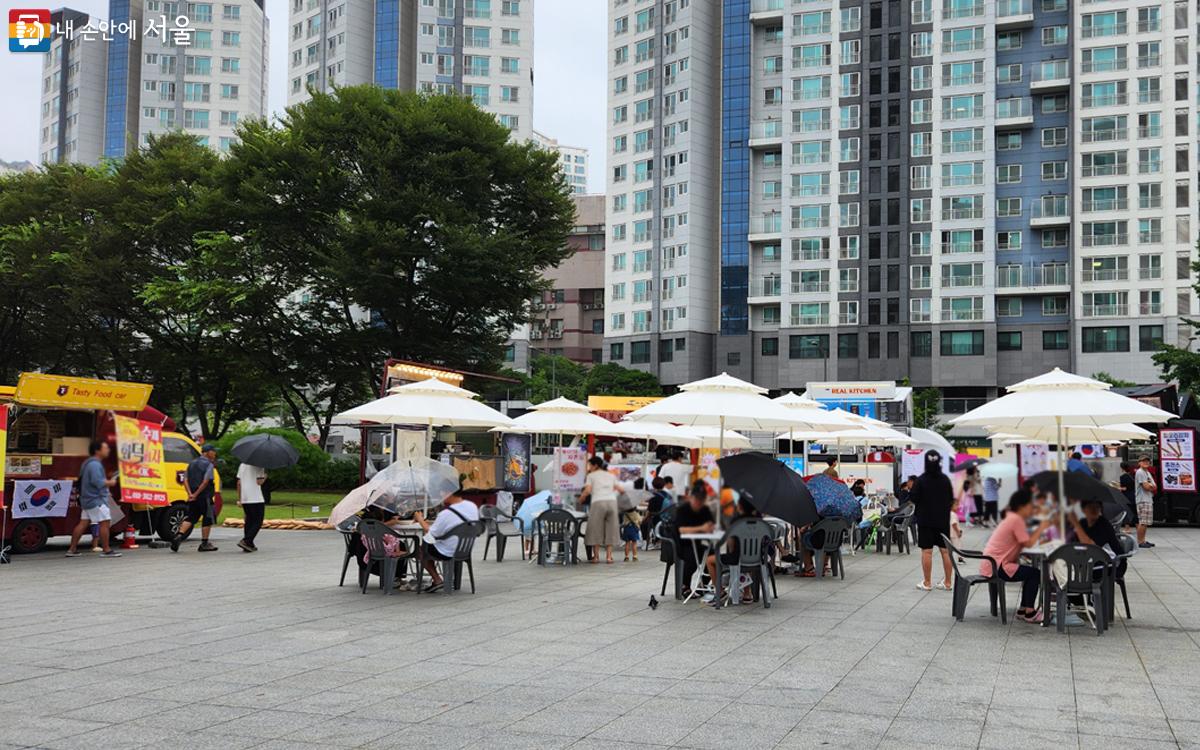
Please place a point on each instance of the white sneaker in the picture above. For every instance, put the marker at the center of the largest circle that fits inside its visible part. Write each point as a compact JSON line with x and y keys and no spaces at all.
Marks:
{"x":708,"y":598}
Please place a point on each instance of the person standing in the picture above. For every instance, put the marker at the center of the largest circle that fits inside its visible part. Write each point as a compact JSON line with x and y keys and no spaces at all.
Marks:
{"x":1144,"y":490}
{"x":603,"y":526}
{"x":198,"y":483}
{"x":974,"y":489}
{"x":93,"y":500}
{"x":250,"y":480}
{"x":991,"y":501}
{"x":933,"y":497}
{"x":1129,"y":490}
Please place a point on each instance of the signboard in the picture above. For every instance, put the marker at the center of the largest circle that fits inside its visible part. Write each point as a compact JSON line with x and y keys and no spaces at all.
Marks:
{"x":518,"y":465}
{"x":41,"y":498}
{"x":1177,"y":453}
{"x":140,"y":462}
{"x":3,"y":448}
{"x":570,"y":468}
{"x":912,"y":463}
{"x":709,"y":471}
{"x":620,"y":403}
{"x":62,"y":392}
{"x":884,"y":390}
{"x":1035,"y":458}
{"x":23,"y":466}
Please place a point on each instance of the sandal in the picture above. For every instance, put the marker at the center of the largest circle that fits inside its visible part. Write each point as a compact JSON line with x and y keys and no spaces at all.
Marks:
{"x":1035,"y":618}
{"x":808,"y":574}
{"x":941,"y":586}
{"x":922,"y":587}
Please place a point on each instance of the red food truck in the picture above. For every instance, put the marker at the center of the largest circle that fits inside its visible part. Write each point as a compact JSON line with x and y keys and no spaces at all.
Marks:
{"x":51,"y":421}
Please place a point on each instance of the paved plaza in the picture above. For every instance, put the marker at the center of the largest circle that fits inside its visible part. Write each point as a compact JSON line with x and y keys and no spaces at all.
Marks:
{"x":229,"y":650}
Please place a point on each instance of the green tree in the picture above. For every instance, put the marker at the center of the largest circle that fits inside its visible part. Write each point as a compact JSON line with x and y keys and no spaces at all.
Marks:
{"x":1115,"y":382}
{"x":614,"y":380}
{"x":1180,"y":363}
{"x":927,"y":404}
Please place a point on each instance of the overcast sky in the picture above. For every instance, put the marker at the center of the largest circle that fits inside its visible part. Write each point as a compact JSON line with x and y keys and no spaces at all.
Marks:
{"x":569,"y":78}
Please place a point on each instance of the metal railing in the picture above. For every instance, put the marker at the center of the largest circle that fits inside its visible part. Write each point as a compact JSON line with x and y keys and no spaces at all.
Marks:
{"x":766,"y":129}
{"x":1105,"y":240}
{"x":1106,"y":274}
{"x":1106,"y":204}
{"x":1105,"y":311}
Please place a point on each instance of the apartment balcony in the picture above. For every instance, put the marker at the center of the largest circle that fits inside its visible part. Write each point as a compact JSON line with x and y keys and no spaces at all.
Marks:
{"x":1014,"y":14}
{"x":1150,"y":308}
{"x":1150,"y":274}
{"x":1051,"y":77}
{"x":1105,"y":204}
{"x":1100,"y":32}
{"x":763,"y":228}
{"x":1106,"y":100}
{"x":1051,"y":213}
{"x":765,"y":291}
{"x":961,"y":316}
{"x":960,"y":214}
{"x":958,"y":248}
{"x":1104,"y":274}
{"x":1105,"y":66}
{"x":1014,"y":112}
{"x":848,"y":319}
{"x":810,"y":287}
{"x":955,"y":282}
{"x":809,"y":320}
{"x":1104,"y":311}
{"x":848,"y":286}
{"x":1149,"y":238}
{"x":766,"y":133}
{"x":1030,"y":278}
{"x":1105,"y":240}
{"x":1105,"y":135}
{"x":767,"y":11}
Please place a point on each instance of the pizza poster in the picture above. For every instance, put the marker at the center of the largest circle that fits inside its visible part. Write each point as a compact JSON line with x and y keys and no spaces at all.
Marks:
{"x":140,"y":462}
{"x":1177,"y":452}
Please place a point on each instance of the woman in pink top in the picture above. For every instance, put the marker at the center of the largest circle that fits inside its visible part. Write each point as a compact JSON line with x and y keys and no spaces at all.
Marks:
{"x":1005,"y":545}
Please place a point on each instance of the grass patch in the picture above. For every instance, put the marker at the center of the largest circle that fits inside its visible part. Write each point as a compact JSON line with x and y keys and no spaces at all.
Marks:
{"x":286,"y":504}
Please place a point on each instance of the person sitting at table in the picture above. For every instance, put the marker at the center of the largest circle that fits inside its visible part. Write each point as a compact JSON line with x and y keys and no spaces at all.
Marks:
{"x":661,"y":498}
{"x":1005,"y":545}
{"x":1095,"y":529}
{"x":693,"y":517}
{"x":744,"y":509}
{"x":859,"y":489}
{"x":438,"y":547}
{"x":391,"y":544}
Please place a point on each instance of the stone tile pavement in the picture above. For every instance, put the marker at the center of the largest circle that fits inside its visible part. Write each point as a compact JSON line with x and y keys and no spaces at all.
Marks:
{"x":229,"y":650}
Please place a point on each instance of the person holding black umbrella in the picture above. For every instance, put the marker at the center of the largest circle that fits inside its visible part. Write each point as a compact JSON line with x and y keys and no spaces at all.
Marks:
{"x":250,"y":479}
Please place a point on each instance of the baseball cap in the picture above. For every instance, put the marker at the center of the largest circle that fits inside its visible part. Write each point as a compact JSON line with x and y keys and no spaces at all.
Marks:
{"x":208,"y":448}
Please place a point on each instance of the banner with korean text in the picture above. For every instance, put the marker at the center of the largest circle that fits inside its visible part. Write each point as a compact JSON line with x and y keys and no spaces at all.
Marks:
{"x":3,"y":447}
{"x":140,"y":459}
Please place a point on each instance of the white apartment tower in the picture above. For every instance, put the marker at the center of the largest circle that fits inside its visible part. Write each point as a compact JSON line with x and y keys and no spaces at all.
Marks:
{"x":572,"y":160}
{"x":481,"y":48}
{"x":105,"y":96}
{"x":663,"y":186}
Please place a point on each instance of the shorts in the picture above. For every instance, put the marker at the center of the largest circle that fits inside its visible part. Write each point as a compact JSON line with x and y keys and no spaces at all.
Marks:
{"x":929,"y":537}
{"x":99,"y":514}
{"x":631,"y":533}
{"x":200,"y":509}
{"x":433,"y":553}
{"x":1145,"y":512}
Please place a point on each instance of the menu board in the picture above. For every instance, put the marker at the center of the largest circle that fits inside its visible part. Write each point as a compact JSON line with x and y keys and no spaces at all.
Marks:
{"x":1177,"y":451}
{"x":570,"y":468}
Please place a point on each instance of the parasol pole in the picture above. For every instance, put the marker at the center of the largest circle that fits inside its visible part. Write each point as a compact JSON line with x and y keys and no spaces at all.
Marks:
{"x":1062,"y":481}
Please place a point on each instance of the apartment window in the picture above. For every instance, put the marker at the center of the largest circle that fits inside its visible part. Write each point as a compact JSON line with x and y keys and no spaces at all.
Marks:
{"x":1009,"y":40}
{"x":1008,"y":141}
{"x":770,"y":347}
{"x":1008,"y":341}
{"x":1054,"y":307}
{"x":961,"y":343}
{"x":1054,"y":137}
{"x":1150,"y":338}
{"x":920,"y":344}
{"x":1106,"y":339}
{"x":1008,"y":174}
{"x":1054,"y":171}
{"x":847,"y":346}
{"x":1053,"y":341}
{"x":1008,"y":307}
{"x":1010,"y":241}
{"x":231,"y":65}
{"x":814,"y":346}
{"x":1055,"y":36}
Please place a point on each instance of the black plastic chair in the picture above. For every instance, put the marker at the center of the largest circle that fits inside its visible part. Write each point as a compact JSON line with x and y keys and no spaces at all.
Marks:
{"x":501,"y":527}
{"x":894,"y":530}
{"x":349,"y":530}
{"x":1082,"y":562}
{"x":963,"y":583}
{"x":373,"y":533}
{"x":1117,"y":576}
{"x":557,"y":526}
{"x":466,"y":533}
{"x":754,"y":541}
{"x":833,"y":530}
{"x":669,"y":551}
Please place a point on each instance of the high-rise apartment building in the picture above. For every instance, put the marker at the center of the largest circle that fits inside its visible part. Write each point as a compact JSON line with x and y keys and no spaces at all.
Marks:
{"x":568,"y":320}
{"x":481,"y":48}
{"x":957,"y":192}
{"x":573,"y":160}
{"x":106,"y":92}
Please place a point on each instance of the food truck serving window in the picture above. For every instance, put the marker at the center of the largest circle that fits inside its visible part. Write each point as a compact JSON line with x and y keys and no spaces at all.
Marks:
{"x":50,"y":431}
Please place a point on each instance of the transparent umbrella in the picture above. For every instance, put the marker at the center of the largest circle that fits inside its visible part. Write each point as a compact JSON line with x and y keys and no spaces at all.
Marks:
{"x":401,"y":488}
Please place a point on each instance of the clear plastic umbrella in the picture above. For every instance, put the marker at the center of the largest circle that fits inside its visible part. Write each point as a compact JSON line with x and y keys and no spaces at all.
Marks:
{"x":401,"y":488}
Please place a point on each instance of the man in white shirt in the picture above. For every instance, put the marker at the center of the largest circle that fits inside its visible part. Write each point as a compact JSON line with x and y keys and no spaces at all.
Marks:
{"x":679,"y":473}
{"x":438,"y":546}
{"x":1143,"y":495}
{"x":250,"y":498}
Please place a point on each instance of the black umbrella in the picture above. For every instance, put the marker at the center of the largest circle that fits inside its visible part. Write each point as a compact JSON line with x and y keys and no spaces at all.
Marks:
{"x":774,"y":489}
{"x":1081,"y":487}
{"x":266,"y":451}
{"x":970,"y":463}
